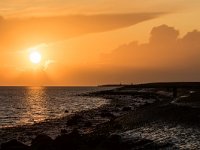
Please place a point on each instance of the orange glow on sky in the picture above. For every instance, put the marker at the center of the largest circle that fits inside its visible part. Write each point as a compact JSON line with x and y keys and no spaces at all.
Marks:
{"x":46,"y":42}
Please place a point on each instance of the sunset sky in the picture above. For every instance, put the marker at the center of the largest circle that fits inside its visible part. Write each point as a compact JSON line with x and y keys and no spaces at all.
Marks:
{"x":87,"y":42}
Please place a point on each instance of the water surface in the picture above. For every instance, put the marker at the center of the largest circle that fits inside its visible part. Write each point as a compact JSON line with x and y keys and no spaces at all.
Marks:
{"x":27,"y":105}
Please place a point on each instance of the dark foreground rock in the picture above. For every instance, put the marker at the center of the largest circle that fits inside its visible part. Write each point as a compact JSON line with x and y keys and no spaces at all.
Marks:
{"x":106,"y":114}
{"x":126,"y":109}
{"x":74,"y":120}
{"x":14,"y":145}
{"x":77,"y":141}
{"x":70,"y":141}
{"x":42,"y":142}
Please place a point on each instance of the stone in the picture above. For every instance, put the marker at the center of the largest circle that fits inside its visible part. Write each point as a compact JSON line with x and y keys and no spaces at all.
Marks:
{"x":114,"y":142}
{"x":126,"y":108}
{"x":63,"y":131}
{"x":14,"y":145}
{"x":74,"y":120}
{"x":87,"y":124}
{"x":69,"y":141}
{"x":107,"y":114}
{"x":42,"y":142}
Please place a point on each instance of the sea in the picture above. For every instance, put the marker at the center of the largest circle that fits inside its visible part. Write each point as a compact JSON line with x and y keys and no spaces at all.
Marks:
{"x":29,"y":105}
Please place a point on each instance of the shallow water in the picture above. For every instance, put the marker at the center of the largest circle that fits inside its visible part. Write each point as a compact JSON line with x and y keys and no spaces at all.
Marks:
{"x":28,"y":105}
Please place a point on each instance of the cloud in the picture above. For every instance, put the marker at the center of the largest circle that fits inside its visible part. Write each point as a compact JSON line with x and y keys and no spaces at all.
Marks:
{"x":164,"y":35}
{"x":27,"y":32}
{"x":47,"y":63}
{"x":166,"y":56}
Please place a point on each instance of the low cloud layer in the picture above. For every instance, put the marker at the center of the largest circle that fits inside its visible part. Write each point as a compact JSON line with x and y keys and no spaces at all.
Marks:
{"x":166,"y":56}
{"x":164,"y":46}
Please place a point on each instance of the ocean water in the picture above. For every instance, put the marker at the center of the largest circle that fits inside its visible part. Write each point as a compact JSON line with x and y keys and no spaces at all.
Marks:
{"x":28,"y":105}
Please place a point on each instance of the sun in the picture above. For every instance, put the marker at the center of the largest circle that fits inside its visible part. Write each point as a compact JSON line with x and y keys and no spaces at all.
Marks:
{"x":35,"y":57}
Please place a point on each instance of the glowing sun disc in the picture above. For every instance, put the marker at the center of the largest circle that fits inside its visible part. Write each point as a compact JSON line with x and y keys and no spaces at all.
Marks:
{"x":35,"y":57}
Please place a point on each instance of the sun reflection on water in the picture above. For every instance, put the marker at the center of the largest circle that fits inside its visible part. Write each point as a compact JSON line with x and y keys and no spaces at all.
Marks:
{"x":29,"y":105}
{"x":36,"y":105}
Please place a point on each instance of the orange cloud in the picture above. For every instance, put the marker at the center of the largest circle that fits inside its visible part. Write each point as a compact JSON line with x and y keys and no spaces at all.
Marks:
{"x":164,"y":47}
{"x":27,"y":32}
{"x":165,"y":57}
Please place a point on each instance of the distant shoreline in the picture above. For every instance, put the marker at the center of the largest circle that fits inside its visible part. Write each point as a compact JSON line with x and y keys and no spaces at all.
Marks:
{"x":140,"y":85}
{"x":155,"y":84}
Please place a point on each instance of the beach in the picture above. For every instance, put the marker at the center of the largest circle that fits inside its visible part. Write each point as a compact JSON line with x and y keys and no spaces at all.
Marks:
{"x":133,"y":118}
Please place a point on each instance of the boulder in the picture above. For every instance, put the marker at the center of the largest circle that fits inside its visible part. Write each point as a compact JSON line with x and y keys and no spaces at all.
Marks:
{"x":69,"y":141}
{"x":14,"y":145}
{"x":114,"y":142}
{"x":107,"y":115}
{"x":63,"y":131}
{"x":87,"y":124}
{"x":42,"y":142}
{"x":143,"y":144}
{"x":126,"y":108}
{"x":74,"y":120}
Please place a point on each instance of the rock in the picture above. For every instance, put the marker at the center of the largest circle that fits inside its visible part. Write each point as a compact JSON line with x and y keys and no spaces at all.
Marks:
{"x":87,"y":124}
{"x":69,"y":141}
{"x":63,"y":131}
{"x":107,"y":114}
{"x":75,"y":134}
{"x":95,"y":140}
{"x":117,"y":126}
{"x":165,"y":145}
{"x":143,"y":144}
{"x":114,"y":142}
{"x":66,"y":111}
{"x":14,"y":145}
{"x":42,"y":142}
{"x":74,"y":120}
{"x":115,"y":139}
{"x":116,"y":110}
{"x":126,"y":108}
{"x":117,"y":105}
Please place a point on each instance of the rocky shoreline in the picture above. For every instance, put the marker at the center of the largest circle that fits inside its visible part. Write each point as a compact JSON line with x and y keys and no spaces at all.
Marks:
{"x":127,"y":122}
